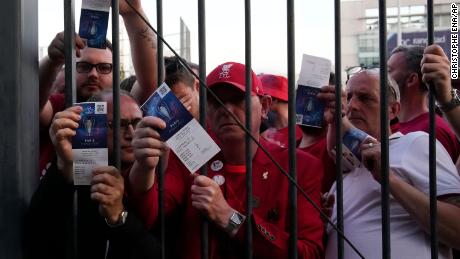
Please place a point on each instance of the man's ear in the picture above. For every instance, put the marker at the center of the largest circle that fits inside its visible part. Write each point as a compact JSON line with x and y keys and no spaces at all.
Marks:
{"x":266,"y":102}
{"x":196,"y":85}
{"x":413,"y":80}
{"x":393,"y":109}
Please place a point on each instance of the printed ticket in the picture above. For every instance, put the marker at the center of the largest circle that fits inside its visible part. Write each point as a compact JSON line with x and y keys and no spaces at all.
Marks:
{"x":94,"y":20}
{"x":89,"y":145}
{"x":314,"y":74}
{"x":351,"y":143}
{"x":183,"y":134}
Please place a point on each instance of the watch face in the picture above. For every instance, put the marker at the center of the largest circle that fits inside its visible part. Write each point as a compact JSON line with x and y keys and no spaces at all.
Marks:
{"x":236,"y":219}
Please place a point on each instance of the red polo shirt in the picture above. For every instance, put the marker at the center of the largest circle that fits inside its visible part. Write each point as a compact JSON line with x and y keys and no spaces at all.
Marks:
{"x":270,"y":218}
{"x":47,"y":152}
{"x":443,"y":132}
{"x":319,"y":150}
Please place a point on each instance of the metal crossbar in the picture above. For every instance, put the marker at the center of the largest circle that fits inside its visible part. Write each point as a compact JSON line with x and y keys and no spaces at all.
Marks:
{"x":263,"y":149}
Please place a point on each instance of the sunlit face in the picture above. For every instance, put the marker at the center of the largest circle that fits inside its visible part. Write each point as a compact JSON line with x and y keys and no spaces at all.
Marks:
{"x":129,"y":112}
{"x":397,"y":69}
{"x":363,"y":102}
{"x":225,"y":128}
{"x":189,"y":93}
{"x":88,"y":84}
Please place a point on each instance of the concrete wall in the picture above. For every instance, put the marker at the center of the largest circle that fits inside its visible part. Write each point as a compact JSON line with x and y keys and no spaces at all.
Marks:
{"x":18,"y":118}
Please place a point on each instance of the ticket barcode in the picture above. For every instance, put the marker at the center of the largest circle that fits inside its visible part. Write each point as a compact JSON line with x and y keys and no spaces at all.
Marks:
{"x":298,"y":118}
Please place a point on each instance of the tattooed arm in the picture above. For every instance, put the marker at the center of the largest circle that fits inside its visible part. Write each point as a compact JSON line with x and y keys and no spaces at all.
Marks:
{"x":143,"y":50}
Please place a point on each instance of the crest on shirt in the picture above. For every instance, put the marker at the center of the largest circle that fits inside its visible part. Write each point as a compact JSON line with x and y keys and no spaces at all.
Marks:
{"x":225,"y":71}
{"x":219,"y":179}
{"x":217,"y":165}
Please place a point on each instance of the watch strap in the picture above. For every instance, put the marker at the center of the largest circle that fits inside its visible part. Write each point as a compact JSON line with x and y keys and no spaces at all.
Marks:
{"x":454,"y":102}
{"x":121,"y":220}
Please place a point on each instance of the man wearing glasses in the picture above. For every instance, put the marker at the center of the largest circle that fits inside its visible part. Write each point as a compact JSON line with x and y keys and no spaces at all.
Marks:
{"x":408,"y":180}
{"x":103,"y":215}
{"x":94,"y":72}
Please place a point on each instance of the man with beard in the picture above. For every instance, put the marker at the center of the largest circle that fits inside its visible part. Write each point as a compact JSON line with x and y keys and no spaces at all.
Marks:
{"x":94,"y":72}
{"x":102,"y":214}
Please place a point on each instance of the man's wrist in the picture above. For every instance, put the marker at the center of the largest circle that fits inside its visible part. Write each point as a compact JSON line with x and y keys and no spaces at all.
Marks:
{"x":449,"y":103}
{"x":118,"y":219}
{"x":235,"y":221}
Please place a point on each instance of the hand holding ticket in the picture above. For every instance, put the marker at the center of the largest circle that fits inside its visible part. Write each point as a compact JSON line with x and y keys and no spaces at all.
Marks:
{"x":183,"y":134}
{"x":314,"y":74}
{"x":89,"y":145}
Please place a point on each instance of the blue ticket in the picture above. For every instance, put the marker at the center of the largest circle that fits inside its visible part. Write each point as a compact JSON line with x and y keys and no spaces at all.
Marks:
{"x":165,"y":105}
{"x":183,"y":134}
{"x":309,"y":109}
{"x":92,"y":127}
{"x":352,"y":139}
{"x":93,"y":27}
{"x":89,"y":145}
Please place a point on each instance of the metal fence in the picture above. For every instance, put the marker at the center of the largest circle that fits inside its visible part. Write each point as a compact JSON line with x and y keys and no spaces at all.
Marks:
{"x":292,"y":174}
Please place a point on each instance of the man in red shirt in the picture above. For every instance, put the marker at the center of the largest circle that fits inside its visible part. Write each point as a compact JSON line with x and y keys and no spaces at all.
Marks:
{"x":94,"y":72}
{"x":221,"y":196}
{"x":404,"y":67}
{"x":277,"y":118}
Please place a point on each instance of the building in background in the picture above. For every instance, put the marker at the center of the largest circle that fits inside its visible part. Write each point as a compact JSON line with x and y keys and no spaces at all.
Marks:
{"x":179,"y":41}
{"x":406,"y":20}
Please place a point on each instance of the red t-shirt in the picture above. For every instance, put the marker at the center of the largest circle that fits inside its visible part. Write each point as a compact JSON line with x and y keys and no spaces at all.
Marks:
{"x":443,"y":133}
{"x":281,"y":136}
{"x":270,"y":215}
{"x":47,"y":152}
{"x":319,"y":150}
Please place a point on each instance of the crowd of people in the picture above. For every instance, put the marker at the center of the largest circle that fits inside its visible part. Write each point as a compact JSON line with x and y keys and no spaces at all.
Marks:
{"x":118,"y":213}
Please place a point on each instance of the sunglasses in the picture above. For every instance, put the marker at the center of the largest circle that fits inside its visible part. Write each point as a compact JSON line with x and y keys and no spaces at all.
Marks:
{"x":102,"y":68}
{"x":352,"y":71}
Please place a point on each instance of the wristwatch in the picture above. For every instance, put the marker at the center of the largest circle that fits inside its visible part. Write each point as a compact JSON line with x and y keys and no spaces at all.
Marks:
{"x":121,"y":220}
{"x":454,"y":102}
{"x":235,"y":221}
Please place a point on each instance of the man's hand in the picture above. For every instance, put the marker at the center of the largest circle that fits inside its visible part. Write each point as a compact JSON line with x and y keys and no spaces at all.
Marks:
{"x":107,"y":188}
{"x":56,"y":51}
{"x":436,"y":70}
{"x":207,"y":197}
{"x":327,"y":95}
{"x":327,"y":201}
{"x":147,"y":144}
{"x":61,"y":131}
{"x":370,"y":155}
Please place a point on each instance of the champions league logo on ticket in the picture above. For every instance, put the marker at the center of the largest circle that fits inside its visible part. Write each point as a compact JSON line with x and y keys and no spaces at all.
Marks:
{"x":183,"y":134}
{"x":94,"y":20}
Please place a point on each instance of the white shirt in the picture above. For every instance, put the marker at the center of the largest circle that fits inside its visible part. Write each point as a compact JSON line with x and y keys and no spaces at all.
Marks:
{"x":361,"y":201}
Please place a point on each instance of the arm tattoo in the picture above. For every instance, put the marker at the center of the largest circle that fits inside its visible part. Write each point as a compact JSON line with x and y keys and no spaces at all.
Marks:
{"x":148,"y":35}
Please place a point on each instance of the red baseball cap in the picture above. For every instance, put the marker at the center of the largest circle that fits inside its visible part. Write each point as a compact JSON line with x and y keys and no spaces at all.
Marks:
{"x":275,"y":86}
{"x":233,"y":73}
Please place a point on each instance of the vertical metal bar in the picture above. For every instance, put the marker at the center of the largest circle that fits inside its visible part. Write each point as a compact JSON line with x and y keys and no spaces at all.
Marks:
{"x":385,"y":190}
{"x":70,"y":99}
{"x":69,"y":48}
{"x":116,"y":84}
{"x":338,"y":124}
{"x":202,"y":63}
{"x":432,"y":145}
{"x":20,"y":127}
{"x":291,"y":125}
{"x":161,"y":166}
{"x":247,"y":36}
